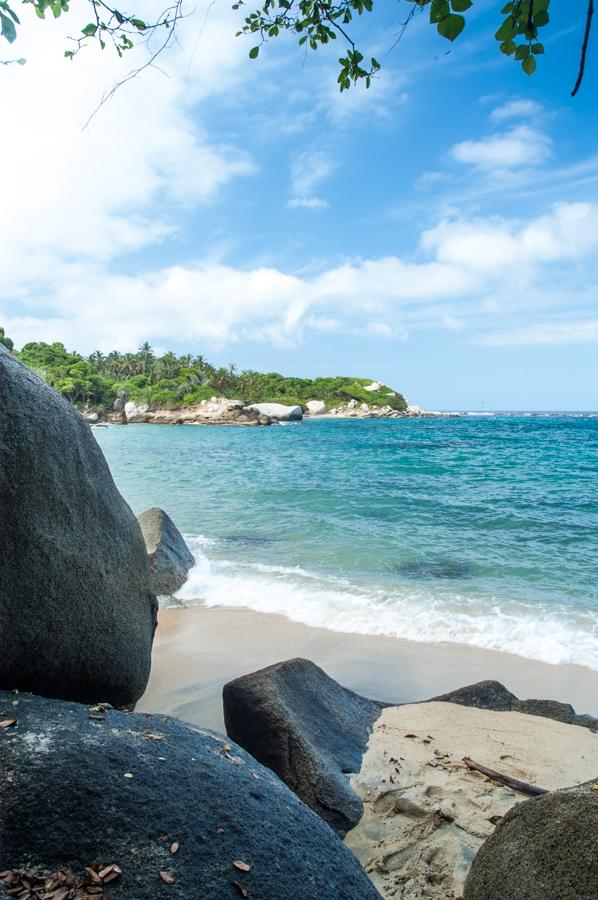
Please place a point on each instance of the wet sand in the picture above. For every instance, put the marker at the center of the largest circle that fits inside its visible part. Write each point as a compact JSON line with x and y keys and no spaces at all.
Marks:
{"x":197,"y":650}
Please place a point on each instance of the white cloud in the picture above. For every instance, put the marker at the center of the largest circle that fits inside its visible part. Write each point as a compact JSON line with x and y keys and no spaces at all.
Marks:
{"x":549,"y":332}
{"x":516,"y":109}
{"x":308,"y":203}
{"x":479,"y":275}
{"x":521,"y":147}
{"x":94,"y":194}
{"x":308,"y":170}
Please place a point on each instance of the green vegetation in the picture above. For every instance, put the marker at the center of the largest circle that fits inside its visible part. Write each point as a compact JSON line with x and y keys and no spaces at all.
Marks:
{"x":174,"y":381}
{"x":322,"y":22}
{"x":313,"y":23}
{"x":6,"y":341}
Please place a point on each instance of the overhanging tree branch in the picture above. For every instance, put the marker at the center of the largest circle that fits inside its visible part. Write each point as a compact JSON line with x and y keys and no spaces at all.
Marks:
{"x":584,"y":47}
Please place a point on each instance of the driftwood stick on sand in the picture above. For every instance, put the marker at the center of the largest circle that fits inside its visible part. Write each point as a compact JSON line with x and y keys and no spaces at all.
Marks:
{"x":513,"y":783}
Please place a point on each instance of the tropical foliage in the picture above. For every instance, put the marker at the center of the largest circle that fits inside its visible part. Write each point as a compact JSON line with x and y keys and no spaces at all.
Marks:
{"x":175,"y":381}
{"x":314,"y":23}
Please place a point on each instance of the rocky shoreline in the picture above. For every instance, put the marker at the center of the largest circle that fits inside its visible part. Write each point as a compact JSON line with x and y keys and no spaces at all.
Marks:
{"x":99,"y":801}
{"x":224,"y":411}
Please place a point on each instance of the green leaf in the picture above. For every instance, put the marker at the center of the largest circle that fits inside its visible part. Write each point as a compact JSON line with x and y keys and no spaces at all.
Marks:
{"x":506,"y":31}
{"x":451,"y":27}
{"x":541,"y":18}
{"x":89,"y":30}
{"x":461,"y":5}
{"x":522,"y":51}
{"x":253,"y":53}
{"x":8,"y":28}
{"x":508,"y":47}
{"x":139,"y":24}
{"x":537,"y":48}
{"x":529,"y":65}
{"x":439,"y":10}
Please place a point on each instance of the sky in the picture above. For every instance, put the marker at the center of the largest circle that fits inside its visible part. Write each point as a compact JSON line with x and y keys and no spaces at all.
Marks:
{"x":438,"y":232}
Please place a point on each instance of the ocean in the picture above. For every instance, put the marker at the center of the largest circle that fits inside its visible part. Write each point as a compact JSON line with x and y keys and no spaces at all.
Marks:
{"x":477,"y":530}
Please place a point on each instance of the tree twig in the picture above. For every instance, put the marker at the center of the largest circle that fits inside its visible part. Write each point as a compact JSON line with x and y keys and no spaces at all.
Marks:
{"x":513,"y":783}
{"x":584,"y":47}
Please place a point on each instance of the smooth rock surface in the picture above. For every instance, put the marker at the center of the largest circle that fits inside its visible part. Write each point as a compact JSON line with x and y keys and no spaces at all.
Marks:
{"x":77,"y":612}
{"x":315,"y":407}
{"x":308,"y":729}
{"x":136,"y":413}
{"x":543,"y":849}
{"x":278,"y":411}
{"x":123,"y":788}
{"x":169,"y":557}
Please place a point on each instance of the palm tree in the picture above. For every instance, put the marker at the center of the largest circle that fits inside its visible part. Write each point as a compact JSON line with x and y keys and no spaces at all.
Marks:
{"x":145,"y":355}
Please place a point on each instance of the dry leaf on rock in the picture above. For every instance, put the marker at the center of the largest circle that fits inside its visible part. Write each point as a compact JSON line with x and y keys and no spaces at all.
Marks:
{"x":241,"y":866}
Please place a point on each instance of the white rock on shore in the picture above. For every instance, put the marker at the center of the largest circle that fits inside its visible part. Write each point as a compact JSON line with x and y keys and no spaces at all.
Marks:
{"x":315,"y":408}
{"x":278,"y":411}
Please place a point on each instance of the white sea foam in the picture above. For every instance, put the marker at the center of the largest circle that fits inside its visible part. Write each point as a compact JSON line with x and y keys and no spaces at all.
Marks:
{"x":558,"y":636}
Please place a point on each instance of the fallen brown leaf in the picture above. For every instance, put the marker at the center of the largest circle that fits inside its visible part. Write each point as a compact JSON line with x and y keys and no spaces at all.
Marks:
{"x":241,"y":866}
{"x":240,"y":888}
{"x":174,"y":847}
{"x":167,"y":877}
{"x":8,"y":723}
{"x":93,"y":876}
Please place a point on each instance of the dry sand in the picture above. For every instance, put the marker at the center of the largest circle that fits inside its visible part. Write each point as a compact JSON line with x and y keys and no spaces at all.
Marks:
{"x":426,"y":814}
{"x":197,"y":650}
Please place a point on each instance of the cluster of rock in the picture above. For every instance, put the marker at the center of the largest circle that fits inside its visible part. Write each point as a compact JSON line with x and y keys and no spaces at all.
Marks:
{"x":94,"y":801}
{"x":224,"y":411}
{"x":216,"y":411}
{"x":313,"y":733}
{"x":356,"y":410}
{"x":149,"y":806}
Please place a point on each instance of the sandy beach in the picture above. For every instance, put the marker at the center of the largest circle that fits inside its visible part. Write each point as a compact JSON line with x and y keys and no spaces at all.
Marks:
{"x":426,"y":814}
{"x":198,"y":649}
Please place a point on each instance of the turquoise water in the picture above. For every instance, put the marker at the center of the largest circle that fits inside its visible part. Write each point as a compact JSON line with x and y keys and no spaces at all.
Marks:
{"x":481,"y":531}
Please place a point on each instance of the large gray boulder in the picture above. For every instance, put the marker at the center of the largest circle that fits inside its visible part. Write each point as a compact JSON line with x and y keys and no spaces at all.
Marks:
{"x":543,"y":849}
{"x":77,"y":612}
{"x":277,"y":411}
{"x":312,"y":732}
{"x":308,"y":729}
{"x":494,"y":695}
{"x":102,"y":788}
{"x":169,"y":556}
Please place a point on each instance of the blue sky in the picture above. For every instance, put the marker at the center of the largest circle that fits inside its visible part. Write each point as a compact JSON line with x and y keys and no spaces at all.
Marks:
{"x":439,"y":232}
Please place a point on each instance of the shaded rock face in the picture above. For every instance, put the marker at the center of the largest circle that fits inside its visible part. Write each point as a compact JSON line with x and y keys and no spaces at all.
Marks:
{"x":308,"y":729}
{"x":277,"y":411}
{"x":543,"y":849}
{"x":493,"y":695}
{"x":169,"y":557}
{"x":124,"y":788}
{"x":77,"y":612}
{"x":312,"y":732}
